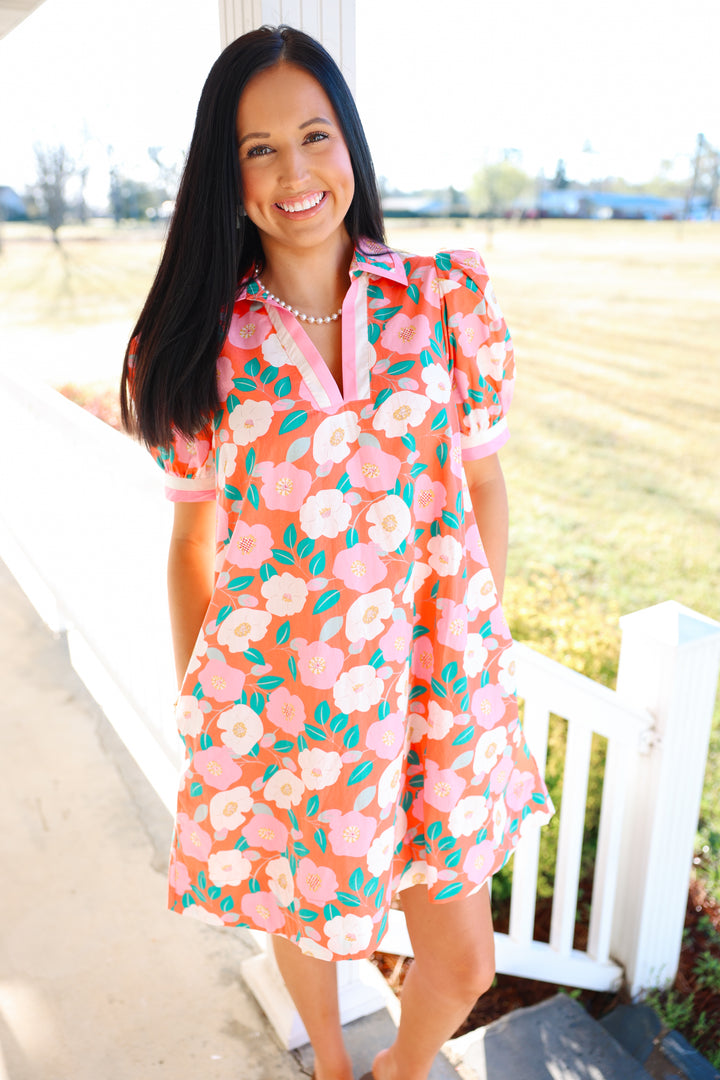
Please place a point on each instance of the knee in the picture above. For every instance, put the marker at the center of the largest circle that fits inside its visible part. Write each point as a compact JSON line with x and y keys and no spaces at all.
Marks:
{"x":464,"y":976}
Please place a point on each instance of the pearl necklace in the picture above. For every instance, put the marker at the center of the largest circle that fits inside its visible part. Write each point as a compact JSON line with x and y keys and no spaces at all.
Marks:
{"x":299,"y":314}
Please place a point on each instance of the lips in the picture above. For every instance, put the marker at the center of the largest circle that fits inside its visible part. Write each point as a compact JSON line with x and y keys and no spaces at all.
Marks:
{"x":307,"y":202}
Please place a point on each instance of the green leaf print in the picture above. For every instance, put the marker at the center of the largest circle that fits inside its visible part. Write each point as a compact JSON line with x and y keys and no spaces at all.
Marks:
{"x":460,"y":685}
{"x":486,"y":629}
{"x":232,"y":493}
{"x":301,"y":742}
{"x":465,"y":735}
{"x":232,"y":402}
{"x":419,"y":631}
{"x":485,"y":678}
{"x":308,"y":916}
{"x":239,"y":584}
{"x":293,"y":420}
{"x":351,"y":538}
{"x":188,"y":900}
{"x":401,"y":367}
{"x":450,"y":519}
{"x":252,"y":367}
{"x":270,"y":682}
{"x":322,"y":712}
{"x":414,"y":293}
{"x":446,"y":843}
{"x":320,"y":839}
{"x":453,"y":858}
{"x":223,"y":614}
{"x":433,"y":830}
{"x":443,"y":261}
{"x":254,"y":656}
{"x":293,"y":819}
{"x":426,"y":358}
{"x":305,"y":547}
{"x":384,"y":313}
{"x":253,"y":496}
{"x":377,"y":659}
{"x":250,"y":461}
{"x":352,"y":737}
{"x":317,"y":564}
{"x":449,"y":671}
{"x":290,"y":536}
{"x":449,"y":890}
{"x":465,"y":703}
{"x":438,"y":687}
{"x":359,"y":772}
{"x":240,"y":845}
{"x":214,"y":893}
{"x":283,"y":746}
{"x":330,"y":911}
{"x":243,"y":384}
{"x":196,"y":790}
{"x":314,"y":732}
{"x":292,"y":664}
{"x":313,"y":806}
{"x":375,"y":292}
{"x":254,"y":885}
{"x":282,"y":556}
{"x":282,"y":634}
{"x":198,"y":691}
{"x":373,"y":332}
{"x":356,"y":880}
{"x":327,"y":600}
{"x":407,"y":494}
{"x":409,"y":441}
{"x":257,"y":703}
{"x":418,"y":468}
{"x":344,"y":483}
{"x":267,"y":570}
{"x":441,"y":452}
{"x":384,"y":394}
{"x":269,"y":374}
{"x":417,"y":691}
{"x":440,"y":421}
{"x":283,"y":387}
{"x":270,"y":771}
{"x":371,"y":886}
{"x":338,"y":722}
{"x":348,"y":899}
{"x":205,"y":741}
{"x":383,"y":709}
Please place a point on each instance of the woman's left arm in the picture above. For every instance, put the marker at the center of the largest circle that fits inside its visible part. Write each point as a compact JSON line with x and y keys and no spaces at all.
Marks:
{"x":489,"y":498}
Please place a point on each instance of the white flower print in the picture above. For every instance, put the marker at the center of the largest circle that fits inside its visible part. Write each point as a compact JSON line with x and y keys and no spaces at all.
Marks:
{"x":250,"y":419}
{"x":308,"y":947}
{"x":228,"y":808}
{"x":475,"y":656}
{"x":365,"y":615}
{"x":468,"y":815}
{"x":401,"y":411}
{"x":319,"y":768}
{"x":188,"y":715}
{"x":281,"y":880}
{"x":273,"y":352}
{"x":446,"y":555}
{"x":284,"y":594}
{"x":481,"y":591}
{"x":489,"y":750}
{"x":359,"y":689}
{"x":391,"y":522}
{"x":325,"y":514}
{"x":226,"y":462}
{"x":477,"y":422}
{"x":389,"y":783}
{"x":241,"y":627}
{"x":228,"y":868}
{"x":194,"y":911}
{"x":333,"y":436}
{"x":418,"y":873}
{"x":284,"y":788}
{"x":420,"y":572}
{"x":499,"y":821}
{"x":380,"y":852}
{"x":241,"y":728}
{"x":348,"y":934}
{"x":437,"y":381}
{"x":507,"y":671}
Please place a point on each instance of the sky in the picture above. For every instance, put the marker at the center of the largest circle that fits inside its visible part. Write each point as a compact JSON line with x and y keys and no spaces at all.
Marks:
{"x":443,"y":86}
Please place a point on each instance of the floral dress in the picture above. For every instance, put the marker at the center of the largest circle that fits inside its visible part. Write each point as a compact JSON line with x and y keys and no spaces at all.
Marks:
{"x":348,"y":711}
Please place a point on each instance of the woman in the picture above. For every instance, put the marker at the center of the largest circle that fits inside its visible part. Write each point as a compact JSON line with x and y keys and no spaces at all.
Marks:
{"x":328,"y":415}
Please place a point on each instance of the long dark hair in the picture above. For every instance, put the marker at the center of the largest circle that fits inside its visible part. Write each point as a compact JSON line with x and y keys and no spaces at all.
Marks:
{"x":170,"y":381}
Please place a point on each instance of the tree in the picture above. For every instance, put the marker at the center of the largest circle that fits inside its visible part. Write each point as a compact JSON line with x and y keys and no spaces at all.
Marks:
{"x":496,"y":187}
{"x":560,"y":179}
{"x":55,"y":168}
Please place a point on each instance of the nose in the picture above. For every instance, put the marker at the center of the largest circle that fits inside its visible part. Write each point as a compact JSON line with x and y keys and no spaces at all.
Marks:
{"x":293,"y":168}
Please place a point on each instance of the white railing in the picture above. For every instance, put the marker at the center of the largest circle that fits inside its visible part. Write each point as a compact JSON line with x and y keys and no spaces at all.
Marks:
{"x":84,"y":527}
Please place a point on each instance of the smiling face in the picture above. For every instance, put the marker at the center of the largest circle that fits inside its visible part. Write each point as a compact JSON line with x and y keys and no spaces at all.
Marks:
{"x":297,"y":177}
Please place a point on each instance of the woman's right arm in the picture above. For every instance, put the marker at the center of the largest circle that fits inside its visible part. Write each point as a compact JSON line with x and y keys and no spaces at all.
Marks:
{"x":190,"y":576}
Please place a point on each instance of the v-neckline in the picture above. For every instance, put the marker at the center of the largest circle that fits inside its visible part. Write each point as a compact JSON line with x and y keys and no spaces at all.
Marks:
{"x":303,"y":354}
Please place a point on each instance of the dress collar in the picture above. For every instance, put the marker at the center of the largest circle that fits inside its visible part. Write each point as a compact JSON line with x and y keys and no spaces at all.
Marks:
{"x":369,"y":257}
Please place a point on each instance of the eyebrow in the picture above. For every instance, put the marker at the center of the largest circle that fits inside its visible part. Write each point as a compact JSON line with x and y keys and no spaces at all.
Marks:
{"x":301,"y":127}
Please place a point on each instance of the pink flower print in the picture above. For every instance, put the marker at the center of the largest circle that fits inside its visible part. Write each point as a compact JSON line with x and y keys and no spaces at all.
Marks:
{"x":250,"y":420}
{"x":443,"y":787}
{"x":423,"y":659}
{"x":191,"y":450}
{"x":319,"y":664}
{"x":488,"y":706}
{"x":519,"y":789}
{"x":445,"y":555}
{"x":262,"y":909}
{"x":473,"y":545}
{"x":249,"y":331}
{"x":224,"y":377}
{"x":405,"y":335}
{"x":429,"y":499}
{"x":217,"y":767}
{"x":498,"y":623}
{"x":373,"y":469}
{"x":396,"y":641}
{"x":479,"y":862}
{"x":284,"y":594}
{"x":351,"y":834}
{"x":265,"y":831}
{"x":434,"y":287}
{"x":359,"y":567}
{"x":452,"y":627}
{"x":500,"y":775}
{"x":194,"y":841}
{"x":455,"y":457}
{"x":284,"y":487}
{"x":386,"y":737}
{"x":178,"y":876}
{"x":460,"y":386}
{"x":251,"y":545}
{"x":220,"y":682}
{"x":286,"y":711}
{"x":317,"y":884}
{"x":471,"y":332}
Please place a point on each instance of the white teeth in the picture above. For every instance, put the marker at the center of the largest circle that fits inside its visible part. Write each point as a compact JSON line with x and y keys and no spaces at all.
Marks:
{"x":306,"y":204}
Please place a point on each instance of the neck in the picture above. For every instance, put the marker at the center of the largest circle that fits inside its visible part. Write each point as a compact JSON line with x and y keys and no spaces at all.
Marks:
{"x":313,"y":280}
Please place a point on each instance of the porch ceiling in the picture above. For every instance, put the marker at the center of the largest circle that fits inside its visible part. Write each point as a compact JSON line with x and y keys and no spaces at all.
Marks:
{"x":12,"y":13}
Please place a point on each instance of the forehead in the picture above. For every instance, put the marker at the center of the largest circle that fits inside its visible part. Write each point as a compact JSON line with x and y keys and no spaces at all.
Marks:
{"x":279,"y":97}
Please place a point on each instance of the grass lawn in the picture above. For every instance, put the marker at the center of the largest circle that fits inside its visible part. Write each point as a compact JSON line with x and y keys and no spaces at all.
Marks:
{"x":613,"y":465}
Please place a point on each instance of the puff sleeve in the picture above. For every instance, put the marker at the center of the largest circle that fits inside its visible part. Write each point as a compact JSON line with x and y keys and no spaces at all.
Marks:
{"x":482,"y":363}
{"x":189,"y":465}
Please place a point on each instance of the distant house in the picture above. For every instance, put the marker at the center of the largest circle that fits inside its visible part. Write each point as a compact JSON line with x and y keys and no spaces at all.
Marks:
{"x":586,"y":203}
{"x":12,"y":208}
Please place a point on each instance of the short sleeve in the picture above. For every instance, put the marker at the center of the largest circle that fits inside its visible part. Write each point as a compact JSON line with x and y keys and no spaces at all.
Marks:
{"x":188,"y":463}
{"x":482,"y":362}
{"x":189,"y":466}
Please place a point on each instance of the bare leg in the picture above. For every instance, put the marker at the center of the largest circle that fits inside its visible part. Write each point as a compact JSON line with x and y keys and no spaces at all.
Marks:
{"x":312,"y":984}
{"x":454,"y":965}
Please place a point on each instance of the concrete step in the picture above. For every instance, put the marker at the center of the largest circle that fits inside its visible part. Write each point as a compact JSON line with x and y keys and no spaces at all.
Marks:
{"x":555,"y":1040}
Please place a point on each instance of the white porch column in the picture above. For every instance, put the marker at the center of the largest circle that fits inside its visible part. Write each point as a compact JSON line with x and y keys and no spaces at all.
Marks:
{"x":669,"y":663}
{"x":332,"y":22}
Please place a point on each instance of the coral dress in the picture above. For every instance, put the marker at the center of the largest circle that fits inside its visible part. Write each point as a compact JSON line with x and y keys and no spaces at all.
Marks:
{"x":348,"y":711}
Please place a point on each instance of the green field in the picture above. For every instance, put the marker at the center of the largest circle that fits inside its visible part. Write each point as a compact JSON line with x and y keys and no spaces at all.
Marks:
{"x":613,"y":465}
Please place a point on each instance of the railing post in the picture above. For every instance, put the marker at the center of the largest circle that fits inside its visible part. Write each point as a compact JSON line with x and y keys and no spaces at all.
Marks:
{"x":669,"y":663}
